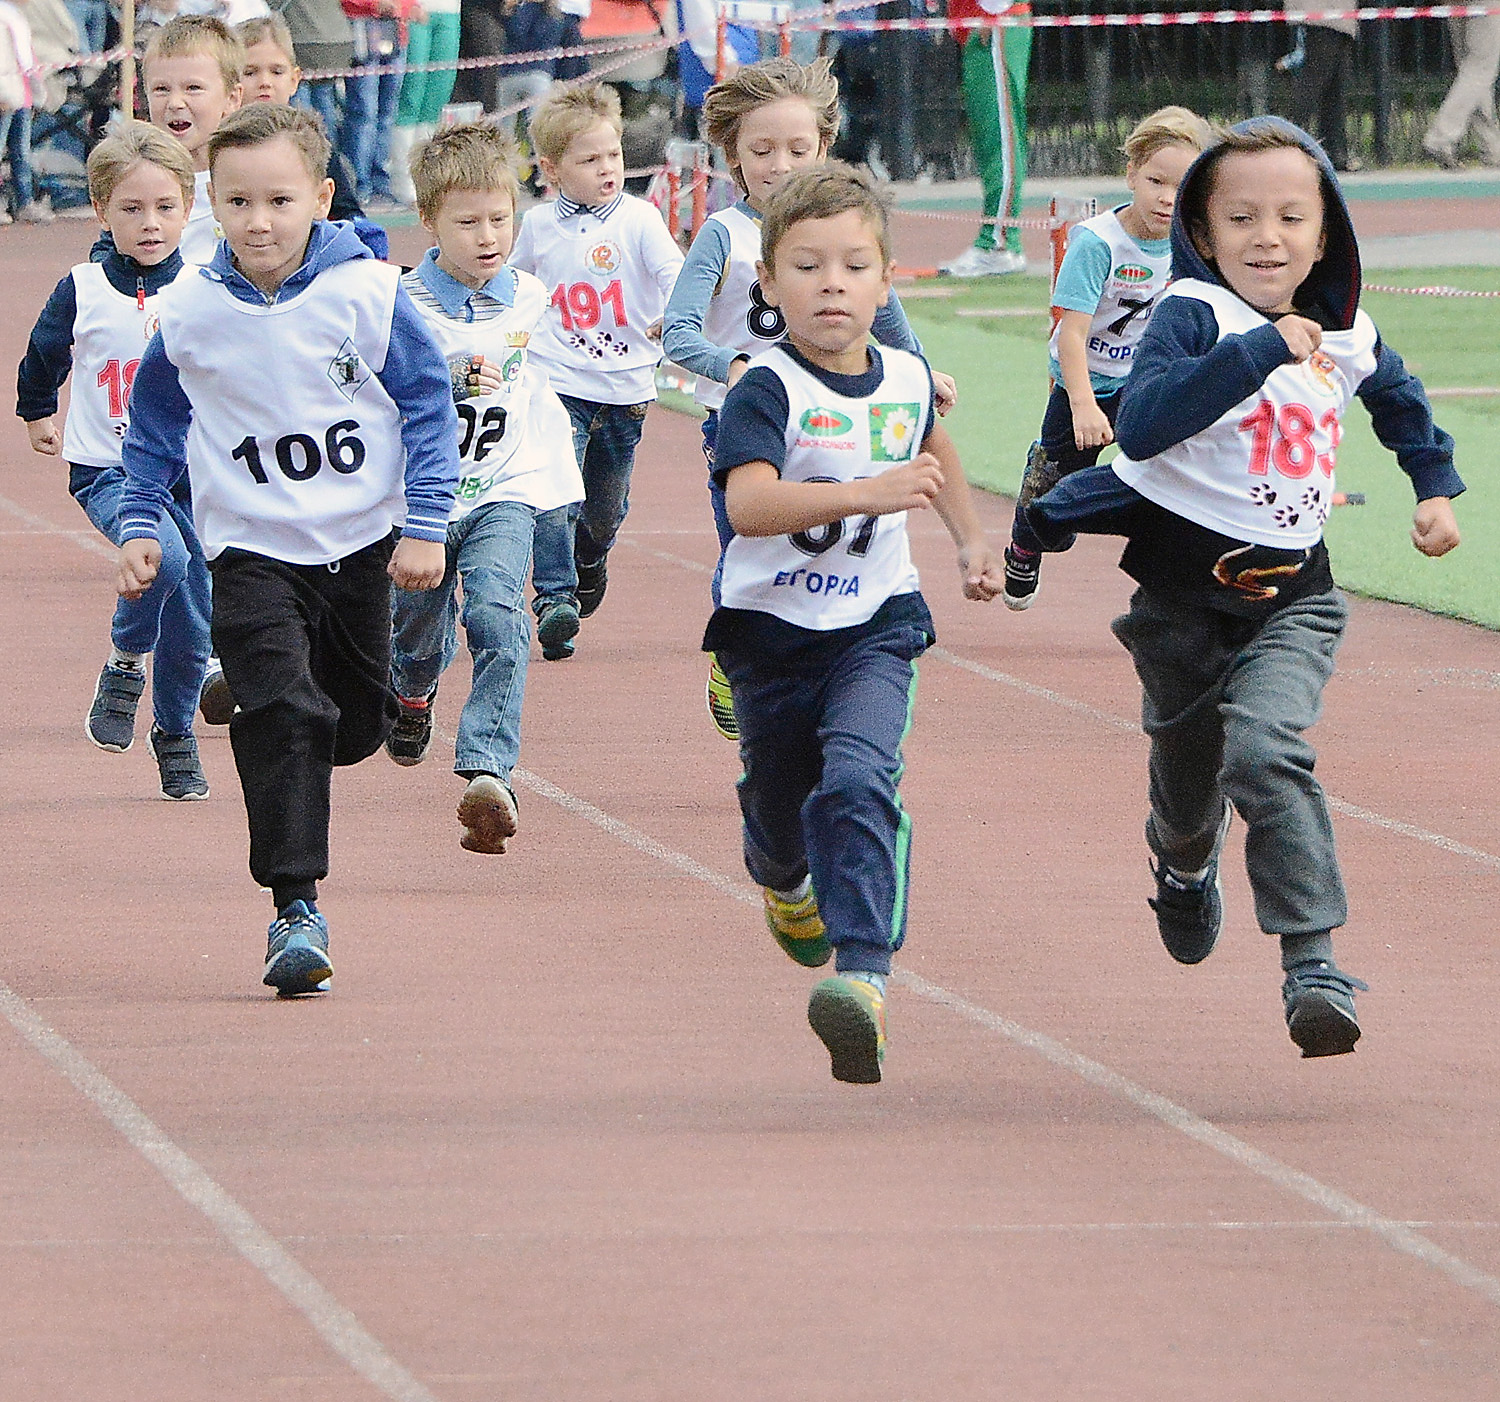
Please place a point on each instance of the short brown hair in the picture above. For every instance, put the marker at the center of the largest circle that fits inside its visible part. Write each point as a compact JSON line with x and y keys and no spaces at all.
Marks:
{"x":265,"y":121}
{"x":268,"y":29}
{"x":821,"y":193}
{"x":1167,"y":126}
{"x":568,"y":113}
{"x":467,"y":156}
{"x":188,"y":35}
{"x":759,"y":84}
{"x":125,"y":148}
{"x":1254,"y":135}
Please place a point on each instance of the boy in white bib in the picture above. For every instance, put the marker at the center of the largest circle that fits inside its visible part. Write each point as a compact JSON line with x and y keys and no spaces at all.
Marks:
{"x":825,"y":443}
{"x":296,"y":382}
{"x":1228,"y":430}
{"x":516,"y":462}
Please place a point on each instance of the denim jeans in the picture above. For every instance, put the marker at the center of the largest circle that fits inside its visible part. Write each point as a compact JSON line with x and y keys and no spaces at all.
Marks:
{"x":171,"y":619}
{"x":489,"y":550}
{"x":91,"y":17}
{"x":604,"y":438}
{"x":369,"y":111}
{"x":15,"y":142}
{"x":322,"y":97}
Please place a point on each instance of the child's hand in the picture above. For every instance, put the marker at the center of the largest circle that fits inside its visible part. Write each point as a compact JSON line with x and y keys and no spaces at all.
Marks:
{"x":45,"y":436}
{"x":1302,"y":336}
{"x":418,"y":564}
{"x":1091,"y":427}
{"x":1434,"y":530}
{"x":139,"y":561}
{"x":653,"y":332}
{"x":983,"y":571}
{"x":909,"y":487}
{"x":737,"y":367}
{"x":486,"y":377}
{"x":944,"y":392}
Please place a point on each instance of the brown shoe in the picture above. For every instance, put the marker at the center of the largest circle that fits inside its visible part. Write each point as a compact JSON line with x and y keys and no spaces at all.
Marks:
{"x":488,"y":814}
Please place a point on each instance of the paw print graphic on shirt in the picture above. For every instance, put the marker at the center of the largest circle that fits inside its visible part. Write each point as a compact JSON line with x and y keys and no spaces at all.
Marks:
{"x":1311,"y":497}
{"x":1262,"y":495}
{"x":1286,"y":516}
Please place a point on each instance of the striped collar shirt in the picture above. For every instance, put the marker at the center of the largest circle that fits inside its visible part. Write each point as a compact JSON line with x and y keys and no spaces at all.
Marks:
{"x":567,"y":209}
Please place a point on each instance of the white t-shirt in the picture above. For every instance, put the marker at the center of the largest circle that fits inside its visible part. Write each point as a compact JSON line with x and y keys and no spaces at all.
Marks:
{"x":738,"y":317}
{"x":201,"y":236}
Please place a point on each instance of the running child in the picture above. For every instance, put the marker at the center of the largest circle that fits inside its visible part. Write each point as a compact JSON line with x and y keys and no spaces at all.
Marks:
{"x":515,"y":447}
{"x":609,"y":263}
{"x":771,"y":119}
{"x":101,"y":316}
{"x":825,"y":443}
{"x":1116,"y":266}
{"x":1227,"y":430}
{"x":298,"y":386}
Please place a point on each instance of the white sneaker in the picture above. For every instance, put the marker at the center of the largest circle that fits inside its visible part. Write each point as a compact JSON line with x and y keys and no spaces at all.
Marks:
{"x":984,"y":262}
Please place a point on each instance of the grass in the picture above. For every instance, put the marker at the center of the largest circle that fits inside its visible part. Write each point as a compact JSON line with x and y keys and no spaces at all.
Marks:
{"x":1452,"y":343}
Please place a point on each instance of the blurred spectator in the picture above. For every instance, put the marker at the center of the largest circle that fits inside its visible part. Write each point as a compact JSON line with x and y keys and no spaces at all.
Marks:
{"x":17,"y":57}
{"x":1471,"y":99}
{"x":534,"y":26}
{"x":696,"y":24}
{"x":856,"y":65}
{"x":91,"y":19}
{"x":370,"y":99}
{"x":1318,"y":98}
{"x":323,"y":39}
{"x":424,"y":93}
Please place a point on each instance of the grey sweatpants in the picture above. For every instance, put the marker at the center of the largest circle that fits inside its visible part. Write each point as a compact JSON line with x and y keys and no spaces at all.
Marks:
{"x":1226,"y":703}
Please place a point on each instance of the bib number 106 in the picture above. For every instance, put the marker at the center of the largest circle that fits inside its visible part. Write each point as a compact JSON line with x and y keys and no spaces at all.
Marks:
{"x":300,"y":456}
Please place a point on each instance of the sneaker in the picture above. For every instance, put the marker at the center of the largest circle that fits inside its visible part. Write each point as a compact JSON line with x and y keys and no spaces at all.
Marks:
{"x":848,"y":1014}
{"x":411,"y":736}
{"x":37,"y":212}
{"x":1023,"y":572}
{"x":556,"y":627}
{"x":111,"y":719}
{"x":721,"y":701}
{"x":1190,"y":914}
{"x":297,"y":952}
{"x":798,"y":928}
{"x":1318,"y":998}
{"x":1445,"y":156}
{"x":487,"y":811}
{"x":176,"y":759}
{"x":984,"y":262}
{"x":215,"y":703}
{"x":593,"y":580}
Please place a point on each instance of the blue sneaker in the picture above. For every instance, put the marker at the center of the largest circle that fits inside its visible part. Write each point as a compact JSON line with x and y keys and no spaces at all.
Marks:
{"x":111,"y":719}
{"x":297,"y":952}
{"x":556,"y":627}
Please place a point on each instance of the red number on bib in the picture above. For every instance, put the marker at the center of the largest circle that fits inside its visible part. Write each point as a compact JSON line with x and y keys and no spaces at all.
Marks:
{"x":1285,"y":437}
{"x":117,"y":379}
{"x":581,"y":307}
{"x":1330,"y":421}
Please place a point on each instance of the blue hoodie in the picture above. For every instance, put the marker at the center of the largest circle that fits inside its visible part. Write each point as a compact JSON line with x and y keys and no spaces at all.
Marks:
{"x":415,"y":375}
{"x":1184,"y":378}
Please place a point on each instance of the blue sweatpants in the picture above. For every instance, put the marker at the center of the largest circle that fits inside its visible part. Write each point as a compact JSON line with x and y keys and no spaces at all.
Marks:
{"x":822,"y":757}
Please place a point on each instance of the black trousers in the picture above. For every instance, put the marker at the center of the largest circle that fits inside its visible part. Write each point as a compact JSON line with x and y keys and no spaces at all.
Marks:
{"x":307,"y":654}
{"x":1319,"y":94}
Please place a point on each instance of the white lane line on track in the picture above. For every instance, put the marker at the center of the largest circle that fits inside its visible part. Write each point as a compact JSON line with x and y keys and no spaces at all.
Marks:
{"x":1395,"y":1234}
{"x":40,"y":525}
{"x":338,"y":1328}
{"x":1107,"y":718}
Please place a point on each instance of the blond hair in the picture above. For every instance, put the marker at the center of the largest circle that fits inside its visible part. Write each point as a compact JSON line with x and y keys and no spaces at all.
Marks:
{"x":760,"y":84}
{"x":265,"y":121}
{"x":568,"y":113}
{"x":468,"y":156}
{"x":821,"y":193}
{"x":267,"y":29}
{"x":1167,"y":126}
{"x":125,"y":148}
{"x":190,"y":35}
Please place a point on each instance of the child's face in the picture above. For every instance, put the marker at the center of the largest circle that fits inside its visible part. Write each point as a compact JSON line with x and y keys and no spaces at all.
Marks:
{"x":266,"y":200}
{"x":1264,"y":225}
{"x":774,"y":142}
{"x":1153,"y":186}
{"x":187,"y":97}
{"x":474,"y":230}
{"x":145,"y":213}
{"x":829,"y":280}
{"x":592,"y":169}
{"x":270,"y":73}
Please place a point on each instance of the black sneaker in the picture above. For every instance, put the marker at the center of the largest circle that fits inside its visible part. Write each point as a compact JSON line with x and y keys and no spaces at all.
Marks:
{"x":556,"y":627}
{"x":593,"y":580}
{"x":1022,"y":575}
{"x":215,"y":703}
{"x":111,"y":719}
{"x":1318,"y":998}
{"x":176,"y":759}
{"x":1190,"y":914}
{"x":411,"y":736}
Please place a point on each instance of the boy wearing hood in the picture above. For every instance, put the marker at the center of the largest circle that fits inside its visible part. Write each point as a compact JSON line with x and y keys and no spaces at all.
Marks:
{"x":1228,"y":428}
{"x":296,"y":383}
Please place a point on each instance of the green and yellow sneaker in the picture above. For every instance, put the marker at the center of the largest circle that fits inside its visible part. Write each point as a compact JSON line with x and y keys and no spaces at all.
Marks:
{"x":848,"y":1014}
{"x":798,"y":928}
{"x":721,"y":701}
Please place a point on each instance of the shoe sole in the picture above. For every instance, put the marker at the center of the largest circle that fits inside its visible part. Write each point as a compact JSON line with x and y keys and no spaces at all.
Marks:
{"x":560,"y":653}
{"x":488,"y":824}
{"x":844,"y":1026}
{"x":406,"y":761}
{"x":176,"y":797}
{"x":1019,"y":603}
{"x":555,"y":633}
{"x":216,"y":702}
{"x":1320,"y":1028}
{"x":298,"y":969}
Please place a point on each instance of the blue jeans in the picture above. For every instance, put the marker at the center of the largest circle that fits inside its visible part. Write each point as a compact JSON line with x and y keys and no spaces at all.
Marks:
{"x":604,"y":438}
{"x":91,"y":17}
{"x":15,"y":141}
{"x":322,"y":97}
{"x":369,"y":111}
{"x":171,"y":619}
{"x":490,"y":551}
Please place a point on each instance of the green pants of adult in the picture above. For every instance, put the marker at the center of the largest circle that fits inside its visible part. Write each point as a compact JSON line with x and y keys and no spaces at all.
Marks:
{"x":423,"y":95}
{"x":996,"y":63}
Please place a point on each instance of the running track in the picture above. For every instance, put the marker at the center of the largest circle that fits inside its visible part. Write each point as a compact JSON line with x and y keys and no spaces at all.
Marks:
{"x":561,"y":1132}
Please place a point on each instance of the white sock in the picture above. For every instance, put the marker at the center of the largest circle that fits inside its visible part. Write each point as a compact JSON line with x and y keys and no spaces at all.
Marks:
{"x":876,"y":981}
{"x":800,"y":892}
{"x":127,"y":661}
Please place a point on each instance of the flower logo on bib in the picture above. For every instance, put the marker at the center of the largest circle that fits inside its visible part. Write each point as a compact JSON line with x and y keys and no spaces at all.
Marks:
{"x":893,"y":432}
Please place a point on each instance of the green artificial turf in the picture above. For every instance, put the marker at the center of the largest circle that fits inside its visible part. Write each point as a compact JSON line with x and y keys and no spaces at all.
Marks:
{"x":1001,"y":366}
